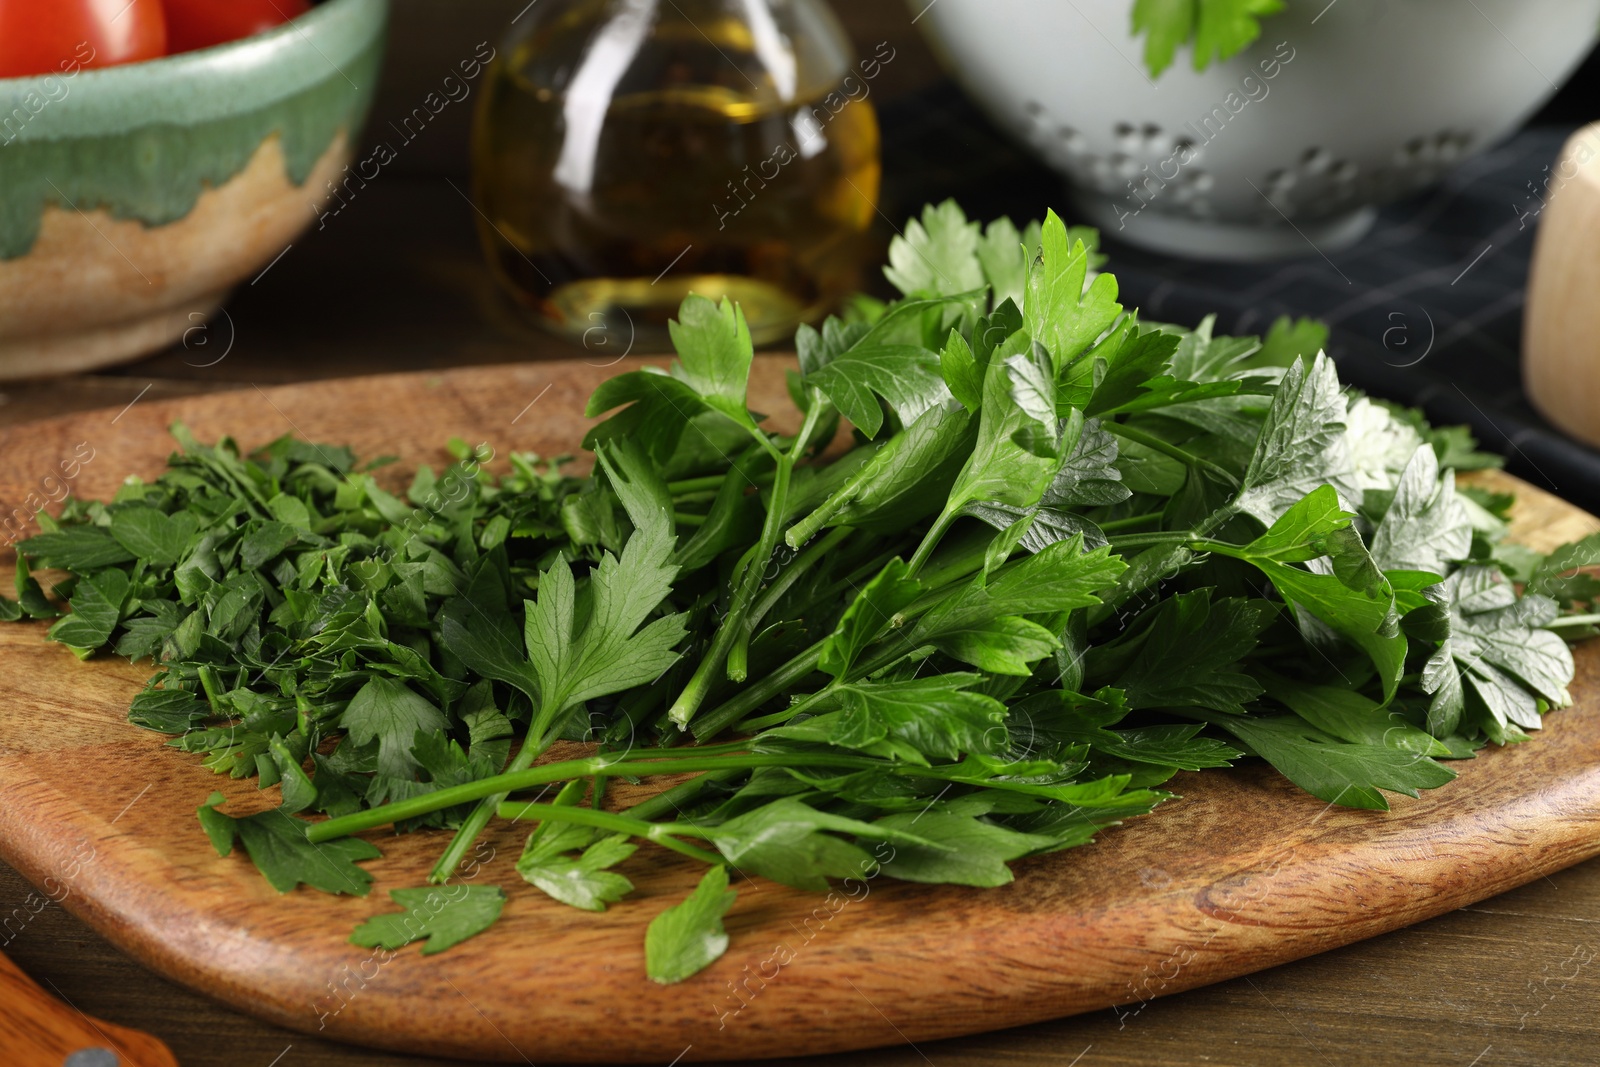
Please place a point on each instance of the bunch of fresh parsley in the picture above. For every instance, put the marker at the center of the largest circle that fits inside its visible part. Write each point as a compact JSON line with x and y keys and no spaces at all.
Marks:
{"x":1061,"y":554}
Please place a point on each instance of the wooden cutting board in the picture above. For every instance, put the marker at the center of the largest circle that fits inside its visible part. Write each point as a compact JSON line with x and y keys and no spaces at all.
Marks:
{"x":1243,"y":873}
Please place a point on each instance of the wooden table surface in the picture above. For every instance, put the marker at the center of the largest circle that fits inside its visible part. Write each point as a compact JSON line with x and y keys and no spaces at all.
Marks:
{"x":395,"y":282}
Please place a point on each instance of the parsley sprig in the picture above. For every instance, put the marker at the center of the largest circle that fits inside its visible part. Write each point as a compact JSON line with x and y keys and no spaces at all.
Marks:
{"x":1061,"y":554}
{"x":1218,"y":29}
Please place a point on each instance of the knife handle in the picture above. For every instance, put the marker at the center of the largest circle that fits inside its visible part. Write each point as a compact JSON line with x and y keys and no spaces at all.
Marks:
{"x":37,"y":1030}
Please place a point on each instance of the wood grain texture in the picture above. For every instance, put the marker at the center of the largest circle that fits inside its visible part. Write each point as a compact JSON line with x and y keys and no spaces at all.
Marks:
{"x":1244,"y":872}
{"x":37,"y":1030}
{"x":1496,"y":975}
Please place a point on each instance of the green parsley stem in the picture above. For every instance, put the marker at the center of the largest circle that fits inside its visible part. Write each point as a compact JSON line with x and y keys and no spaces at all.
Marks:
{"x":212,"y":688}
{"x":1190,"y":539}
{"x":683,"y":793}
{"x":891,"y":649}
{"x":501,"y":785}
{"x":807,"y":528}
{"x":659,"y":833}
{"x":1151,"y":441}
{"x":725,"y":715}
{"x":700,"y":682}
{"x":1573,"y":620}
{"x":846,"y":585}
{"x":734,"y":633}
{"x":711,"y":482}
{"x":1169,"y":537}
{"x":930,"y":541}
{"x":961,"y":560}
{"x":739,"y":654}
{"x":778,"y":718}
{"x":445,"y":867}
{"x":514,"y":780}
{"x":1205,"y":544}
{"x":1131,"y":522}
{"x":543,"y":728}
{"x":938,"y":580}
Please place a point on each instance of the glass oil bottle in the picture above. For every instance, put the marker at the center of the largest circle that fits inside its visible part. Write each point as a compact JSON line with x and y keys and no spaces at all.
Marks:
{"x":629,"y":152}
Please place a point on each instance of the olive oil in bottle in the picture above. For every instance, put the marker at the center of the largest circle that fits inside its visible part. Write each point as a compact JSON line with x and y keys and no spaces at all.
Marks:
{"x":629,"y":152}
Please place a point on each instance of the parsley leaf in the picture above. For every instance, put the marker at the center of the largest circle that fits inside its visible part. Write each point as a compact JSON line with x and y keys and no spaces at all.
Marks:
{"x":1005,"y":253}
{"x":714,"y":354}
{"x":585,"y":882}
{"x":937,"y":255}
{"x":977,"y":854}
{"x":31,"y":600}
{"x":1061,"y":312}
{"x":96,"y":607}
{"x":1505,"y":658}
{"x":1301,"y":445}
{"x":1220,"y":29}
{"x":1088,"y":476}
{"x":1133,"y":362}
{"x":1171,"y":745}
{"x":1559,"y":576}
{"x":1169,"y":24}
{"x":873,"y":610}
{"x":445,"y":916}
{"x":387,"y":711}
{"x":276,"y":843}
{"x":1013,"y":459}
{"x":1188,"y":654}
{"x":905,"y":376}
{"x":1288,"y":340}
{"x":1339,"y":772}
{"x":75,"y":548}
{"x":688,"y":937}
{"x":152,"y":535}
{"x":961,"y":371}
{"x":589,"y":643}
{"x":1227,"y":27}
{"x":982,"y":623}
{"x":1426,"y":527}
{"x":1342,"y":586}
{"x":1349,"y":716}
{"x":912,"y":720}
{"x":487,"y":639}
{"x":789,"y":842}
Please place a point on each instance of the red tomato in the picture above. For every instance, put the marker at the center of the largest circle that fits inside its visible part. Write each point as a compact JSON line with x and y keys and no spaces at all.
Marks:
{"x":62,"y":36}
{"x":195,"y":24}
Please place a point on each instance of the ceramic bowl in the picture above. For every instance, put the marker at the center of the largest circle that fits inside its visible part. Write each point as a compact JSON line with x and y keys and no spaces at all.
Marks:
{"x":1287,"y":148}
{"x":133,"y":198}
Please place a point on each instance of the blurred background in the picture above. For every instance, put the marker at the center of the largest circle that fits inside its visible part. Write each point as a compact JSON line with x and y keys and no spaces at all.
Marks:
{"x":396,"y":281}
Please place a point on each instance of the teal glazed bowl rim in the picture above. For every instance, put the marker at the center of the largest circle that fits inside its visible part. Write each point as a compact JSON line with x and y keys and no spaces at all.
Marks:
{"x":144,"y":141}
{"x":204,"y":85}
